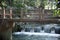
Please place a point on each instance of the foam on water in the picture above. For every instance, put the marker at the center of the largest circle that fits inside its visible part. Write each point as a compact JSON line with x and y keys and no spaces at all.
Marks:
{"x":34,"y":33}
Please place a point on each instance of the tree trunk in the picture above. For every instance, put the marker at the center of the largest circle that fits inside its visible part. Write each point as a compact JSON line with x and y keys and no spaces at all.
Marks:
{"x":6,"y":35}
{"x":6,"y":30}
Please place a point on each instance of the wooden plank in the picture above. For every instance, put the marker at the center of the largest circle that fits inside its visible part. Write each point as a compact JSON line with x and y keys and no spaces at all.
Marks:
{"x":36,"y":20}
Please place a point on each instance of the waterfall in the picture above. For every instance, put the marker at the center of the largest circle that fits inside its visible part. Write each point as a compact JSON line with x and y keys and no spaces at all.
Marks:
{"x":23,"y":30}
{"x":42,"y":31}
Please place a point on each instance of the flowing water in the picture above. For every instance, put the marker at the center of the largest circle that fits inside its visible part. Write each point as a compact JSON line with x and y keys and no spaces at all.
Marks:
{"x":35,"y":36}
{"x":30,"y":34}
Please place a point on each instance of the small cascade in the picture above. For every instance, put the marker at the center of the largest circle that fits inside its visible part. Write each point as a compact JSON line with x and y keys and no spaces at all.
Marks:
{"x":42,"y":31}
{"x":53,"y":32}
{"x":32,"y":30}
{"x":38,"y":30}
{"x":23,"y":30}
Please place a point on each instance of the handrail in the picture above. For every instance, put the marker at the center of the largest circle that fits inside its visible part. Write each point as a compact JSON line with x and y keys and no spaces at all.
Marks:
{"x":22,"y":19}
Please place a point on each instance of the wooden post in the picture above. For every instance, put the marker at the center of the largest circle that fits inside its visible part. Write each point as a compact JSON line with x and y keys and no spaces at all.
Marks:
{"x":21,"y":13}
{"x":4,"y":14}
{"x":11,"y":13}
{"x":40,"y":13}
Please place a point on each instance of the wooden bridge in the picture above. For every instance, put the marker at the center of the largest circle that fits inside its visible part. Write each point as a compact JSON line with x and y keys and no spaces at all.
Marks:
{"x":36,"y":16}
{"x":8,"y":17}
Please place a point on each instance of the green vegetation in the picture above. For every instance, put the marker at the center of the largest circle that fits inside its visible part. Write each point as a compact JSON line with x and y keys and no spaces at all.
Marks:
{"x":56,"y":13}
{"x":19,"y":3}
{"x":22,"y":3}
{"x":6,"y":3}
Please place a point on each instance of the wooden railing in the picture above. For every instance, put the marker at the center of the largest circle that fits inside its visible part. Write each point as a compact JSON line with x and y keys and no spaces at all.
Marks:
{"x":22,"y":15}
{"x":37,"y":16}
{"x":3,"y":14}
{"x":37,"y":13}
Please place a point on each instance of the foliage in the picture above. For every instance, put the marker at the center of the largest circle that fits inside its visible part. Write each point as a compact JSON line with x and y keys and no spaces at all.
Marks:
{"x":37,"y":3}
{"x":6,"y":3}
{"x":26,"y":3}
{"x":22,"y":3}
{"x":56,"y":0}
{"x":2,"y":3}
{"x":56,"y":13}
